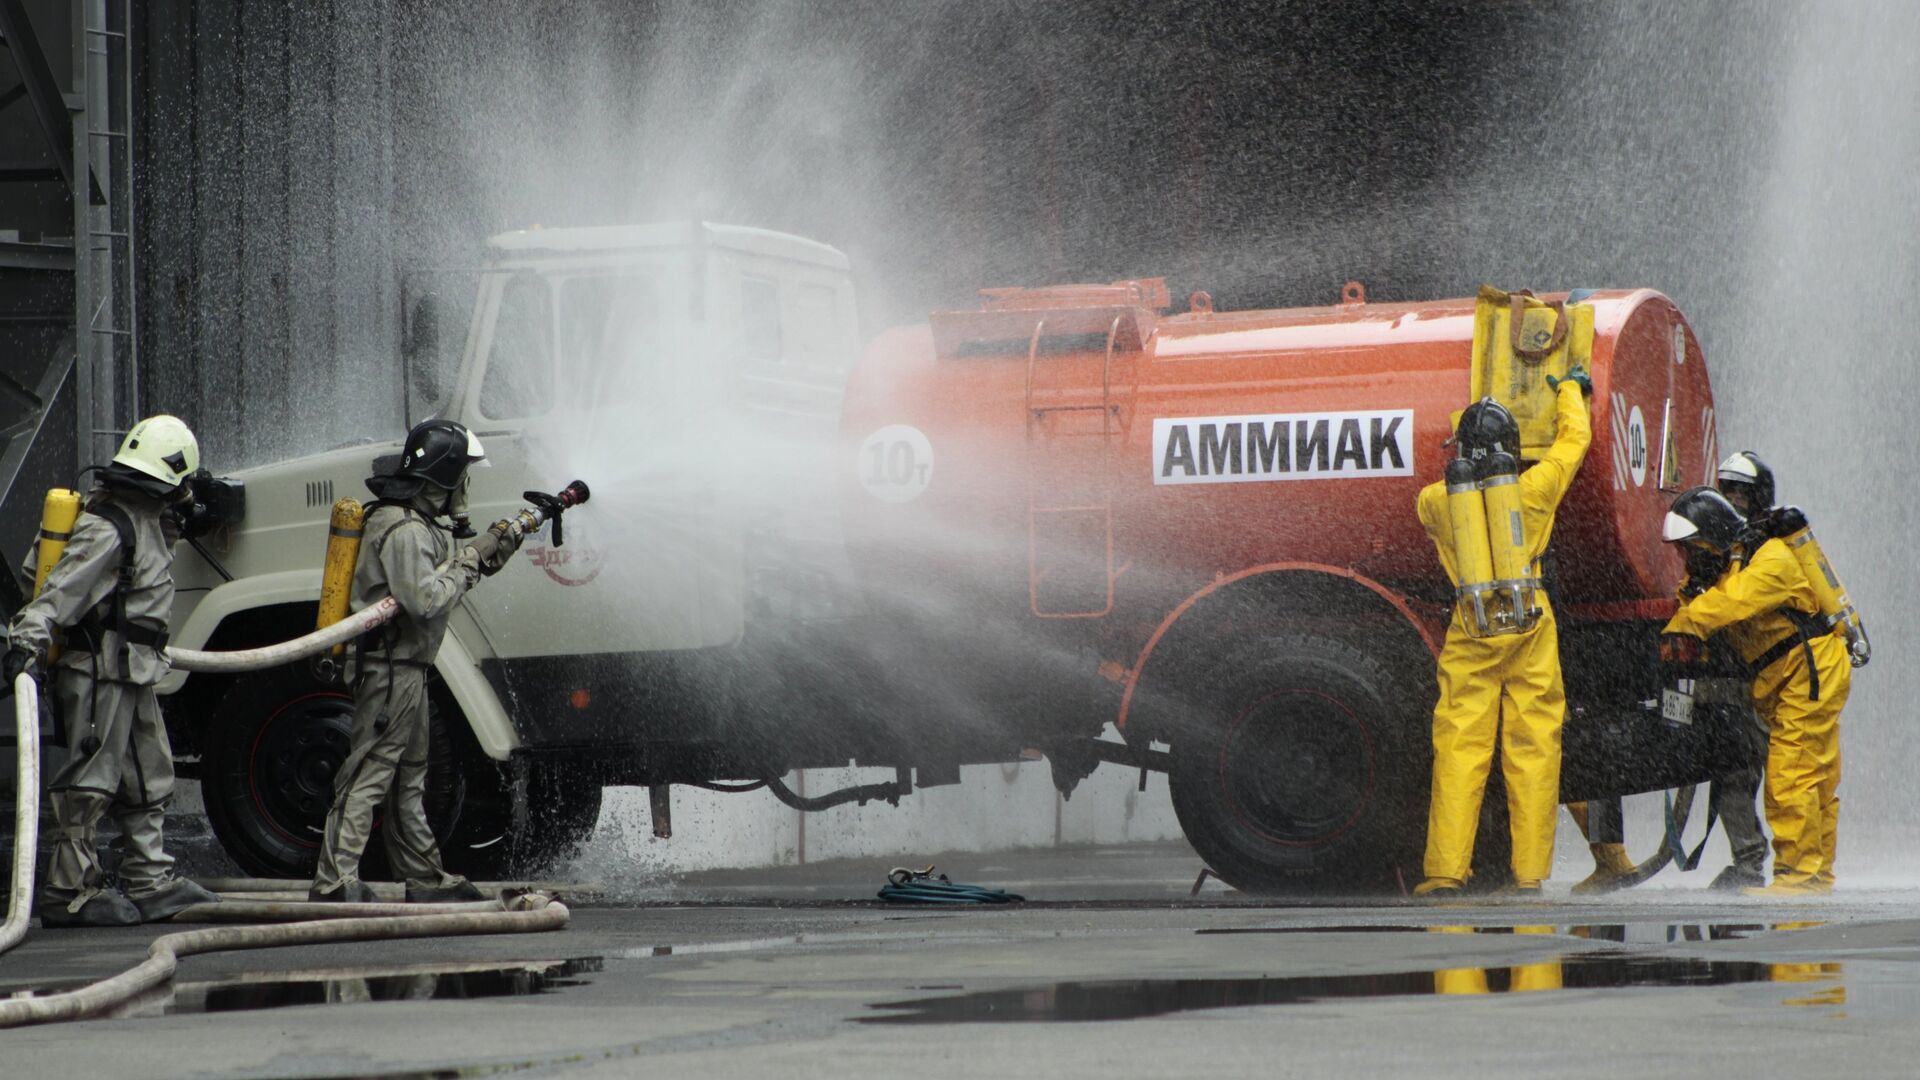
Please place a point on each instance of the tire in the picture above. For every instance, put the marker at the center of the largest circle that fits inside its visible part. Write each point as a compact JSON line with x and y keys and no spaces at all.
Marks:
{"x":561,"y":813}
{"x":1305,"y":770}
{"x":273,"y":748}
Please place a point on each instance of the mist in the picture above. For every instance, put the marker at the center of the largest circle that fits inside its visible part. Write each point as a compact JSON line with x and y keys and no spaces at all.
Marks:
{"x":1755,"y":163}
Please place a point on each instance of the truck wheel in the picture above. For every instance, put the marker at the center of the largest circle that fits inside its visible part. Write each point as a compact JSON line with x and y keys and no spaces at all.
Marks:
{"x":562,"y":811}
{"x":272,"y":749}
{"x":1308,"y":770}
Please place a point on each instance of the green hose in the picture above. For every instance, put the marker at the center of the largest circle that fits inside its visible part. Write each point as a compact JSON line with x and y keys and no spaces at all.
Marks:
{"x":906,"y":886}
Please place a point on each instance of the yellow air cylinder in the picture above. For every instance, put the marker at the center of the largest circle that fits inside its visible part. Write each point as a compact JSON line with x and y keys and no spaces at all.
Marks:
{"x":57,"y":515}
{"x":344,"y":527}
{"x":1835,"y":604}
{"x":1507,"y":542}
{"x":1473,"y":562}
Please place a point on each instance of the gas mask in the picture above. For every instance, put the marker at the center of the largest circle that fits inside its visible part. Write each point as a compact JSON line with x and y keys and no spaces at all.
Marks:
{"x":1704,"y":567}
{"x":457,"y":509}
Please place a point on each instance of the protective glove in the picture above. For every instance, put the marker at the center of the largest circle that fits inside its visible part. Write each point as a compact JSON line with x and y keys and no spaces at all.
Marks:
{"x":495,"y":546}
{"x":1682,"y":655}
{"x":22,"y":659}
{"x":1576,"y":375}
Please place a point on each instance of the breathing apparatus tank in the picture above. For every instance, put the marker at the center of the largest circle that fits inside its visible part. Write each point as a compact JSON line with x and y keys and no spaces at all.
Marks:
{"x":1791,"y":526}
{"x":57,"y":516}
{"x":1490,"y":546}
{"x":1473,"y":561}
{"x":344,"y":528}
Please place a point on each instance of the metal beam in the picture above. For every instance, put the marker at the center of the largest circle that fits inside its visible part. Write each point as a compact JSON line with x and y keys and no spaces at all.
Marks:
{"x":49,"y":108}
{"x":24,"y":255}
{"x":13,"y":172}
{"x":13,"y":95}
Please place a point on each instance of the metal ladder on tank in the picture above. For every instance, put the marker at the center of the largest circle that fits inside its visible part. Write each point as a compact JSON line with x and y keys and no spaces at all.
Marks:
{"x":1041,"y":445}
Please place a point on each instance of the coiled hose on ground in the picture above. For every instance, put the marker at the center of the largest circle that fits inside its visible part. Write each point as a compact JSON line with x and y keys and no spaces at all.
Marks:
{"x":164,"y":954}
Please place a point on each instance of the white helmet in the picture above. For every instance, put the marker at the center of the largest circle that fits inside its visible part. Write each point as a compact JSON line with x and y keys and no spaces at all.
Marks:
{"x":161,"y":448}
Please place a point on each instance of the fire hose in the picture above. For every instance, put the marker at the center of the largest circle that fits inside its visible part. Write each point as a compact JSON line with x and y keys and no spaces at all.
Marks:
{"x":164,"y":954}
{"x":228,"y":663}
{"x":26,"y":811}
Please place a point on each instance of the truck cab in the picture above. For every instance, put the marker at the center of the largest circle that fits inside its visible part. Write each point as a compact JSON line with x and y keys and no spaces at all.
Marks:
{"x":683,"y":370}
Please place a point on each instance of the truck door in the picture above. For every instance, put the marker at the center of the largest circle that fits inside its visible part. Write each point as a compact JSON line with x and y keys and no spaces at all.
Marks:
{"x":604,"y":374}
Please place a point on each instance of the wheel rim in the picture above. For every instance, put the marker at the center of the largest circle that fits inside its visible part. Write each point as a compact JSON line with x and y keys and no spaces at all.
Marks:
{"x":292,"y":764}
{"x":1297,"y":768}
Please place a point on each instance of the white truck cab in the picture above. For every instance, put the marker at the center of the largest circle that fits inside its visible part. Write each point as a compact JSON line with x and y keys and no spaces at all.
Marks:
{"x":690,"y":373}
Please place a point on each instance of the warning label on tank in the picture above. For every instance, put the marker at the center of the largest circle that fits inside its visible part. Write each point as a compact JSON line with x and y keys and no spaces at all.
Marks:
{"x":1290,"y":446}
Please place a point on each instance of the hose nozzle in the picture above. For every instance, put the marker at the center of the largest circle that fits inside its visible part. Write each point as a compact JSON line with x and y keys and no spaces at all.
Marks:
{"x":547,"y":508}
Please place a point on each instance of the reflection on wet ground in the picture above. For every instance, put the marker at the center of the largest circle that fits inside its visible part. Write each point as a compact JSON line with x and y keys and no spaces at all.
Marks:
{"x":1592,"y":931}
{"x":1131,"y":999}
{"x":341,"y":988}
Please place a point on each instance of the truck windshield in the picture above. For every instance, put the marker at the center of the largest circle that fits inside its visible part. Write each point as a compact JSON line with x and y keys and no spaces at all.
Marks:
{"x":611,"y":333}
{"x":578,"y":340}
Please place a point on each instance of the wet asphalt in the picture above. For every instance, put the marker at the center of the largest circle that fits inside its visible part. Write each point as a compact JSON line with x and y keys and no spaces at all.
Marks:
{"x":1112,"y":970}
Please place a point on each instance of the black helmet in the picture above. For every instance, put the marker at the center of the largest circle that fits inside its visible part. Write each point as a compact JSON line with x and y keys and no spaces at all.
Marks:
{"x":1744,"y":478}
{"x":1486,"y":427}
{"x":1704,"y":515}
{"x":438,"y":452}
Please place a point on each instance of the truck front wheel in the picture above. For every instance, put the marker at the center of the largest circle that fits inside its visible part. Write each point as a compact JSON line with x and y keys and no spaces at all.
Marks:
{"x":273,"y":747}
{"x":1306,"y":770}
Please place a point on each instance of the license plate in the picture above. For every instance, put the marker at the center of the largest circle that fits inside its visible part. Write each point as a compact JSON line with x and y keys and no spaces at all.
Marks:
{"x":1676,"y":707}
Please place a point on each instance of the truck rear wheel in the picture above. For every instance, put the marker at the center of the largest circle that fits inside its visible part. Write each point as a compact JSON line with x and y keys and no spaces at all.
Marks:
{"x":1308,"y":770}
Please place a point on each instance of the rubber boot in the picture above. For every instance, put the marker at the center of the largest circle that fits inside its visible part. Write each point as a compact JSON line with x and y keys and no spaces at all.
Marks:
{"x":1737,"y":877}
{"x":100,"y":909}
{"x":1792,"y":888}
{"x":351,"y":891}
{"x":1521,"y":889}
{"x":1439,"y":888}
{"x":1610,"y":868}
{"x":455,"y":891}
{"x":171,"y":899}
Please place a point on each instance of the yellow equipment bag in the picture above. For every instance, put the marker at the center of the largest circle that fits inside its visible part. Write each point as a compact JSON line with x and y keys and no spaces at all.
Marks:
{"x":1519,"y":340}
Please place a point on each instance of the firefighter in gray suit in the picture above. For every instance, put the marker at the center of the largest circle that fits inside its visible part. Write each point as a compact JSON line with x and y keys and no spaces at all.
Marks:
{"x":107,"y":601}
{"x":406,"y":553}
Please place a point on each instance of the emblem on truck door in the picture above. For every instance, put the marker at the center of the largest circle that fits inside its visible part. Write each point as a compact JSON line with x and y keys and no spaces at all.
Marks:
{"x":1286,"y":446}
{"x":895,"y":463}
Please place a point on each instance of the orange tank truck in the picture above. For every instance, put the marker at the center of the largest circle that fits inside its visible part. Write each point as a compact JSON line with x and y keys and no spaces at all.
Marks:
{"x":1075,"y":510}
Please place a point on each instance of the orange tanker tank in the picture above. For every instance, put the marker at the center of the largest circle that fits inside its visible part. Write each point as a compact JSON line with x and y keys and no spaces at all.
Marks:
{"x":1216,"y":511}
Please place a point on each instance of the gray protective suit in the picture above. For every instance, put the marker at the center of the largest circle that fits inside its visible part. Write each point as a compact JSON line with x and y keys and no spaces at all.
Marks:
{"x":405,"y":555}
{"x":102,"y":686}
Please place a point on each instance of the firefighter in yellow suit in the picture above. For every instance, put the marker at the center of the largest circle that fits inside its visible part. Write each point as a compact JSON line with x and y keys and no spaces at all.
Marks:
{"x":1510,"y":676}
{"x":1802,"y":678}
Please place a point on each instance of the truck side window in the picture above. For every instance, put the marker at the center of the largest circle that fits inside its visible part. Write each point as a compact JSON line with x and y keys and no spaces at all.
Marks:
{"x":519,"y":379}
{"x":760,"y":320}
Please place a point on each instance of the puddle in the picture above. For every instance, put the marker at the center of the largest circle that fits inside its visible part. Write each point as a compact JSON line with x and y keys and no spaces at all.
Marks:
{"x":1621,"y":932}
{"x":1073,"y":1002}
{"x":387,"y":984}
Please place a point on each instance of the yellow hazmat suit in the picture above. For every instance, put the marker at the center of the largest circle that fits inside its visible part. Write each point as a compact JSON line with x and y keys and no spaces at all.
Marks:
{"x":1803,"y":723}
{"x":1517,"y":675}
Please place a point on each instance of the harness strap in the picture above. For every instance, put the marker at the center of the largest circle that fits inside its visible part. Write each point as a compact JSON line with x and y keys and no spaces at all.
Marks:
{"x":1806,"y":629}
